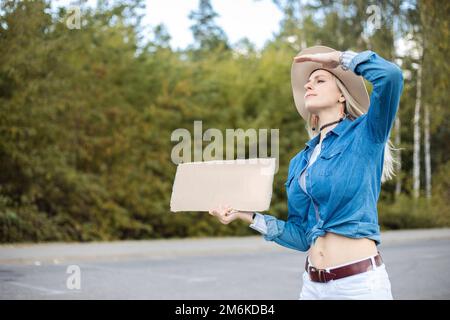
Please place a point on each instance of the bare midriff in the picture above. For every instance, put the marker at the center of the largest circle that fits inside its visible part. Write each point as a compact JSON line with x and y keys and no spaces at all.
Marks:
{"x":333,"y":249}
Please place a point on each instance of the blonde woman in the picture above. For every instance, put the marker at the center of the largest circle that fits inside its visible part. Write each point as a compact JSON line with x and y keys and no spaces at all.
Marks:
{"x":334,"y":183}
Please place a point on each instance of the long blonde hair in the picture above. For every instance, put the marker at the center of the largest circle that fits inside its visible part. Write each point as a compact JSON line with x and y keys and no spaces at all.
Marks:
{"x":354,"y":109}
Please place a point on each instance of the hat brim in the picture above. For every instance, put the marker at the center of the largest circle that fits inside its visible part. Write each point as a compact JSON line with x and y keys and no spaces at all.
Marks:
{"x":301,"y":71}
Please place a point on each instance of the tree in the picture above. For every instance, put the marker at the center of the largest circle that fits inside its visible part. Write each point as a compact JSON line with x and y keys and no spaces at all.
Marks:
{"x":207,"y":34}
{"x":161,"y":36}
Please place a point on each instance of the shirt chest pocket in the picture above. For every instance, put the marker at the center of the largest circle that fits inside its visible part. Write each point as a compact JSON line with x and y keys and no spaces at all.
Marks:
{"x":330,"y":162}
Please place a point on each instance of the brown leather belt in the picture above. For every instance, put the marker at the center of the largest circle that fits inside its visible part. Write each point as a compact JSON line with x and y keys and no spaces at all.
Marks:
{"x":322,"y":275}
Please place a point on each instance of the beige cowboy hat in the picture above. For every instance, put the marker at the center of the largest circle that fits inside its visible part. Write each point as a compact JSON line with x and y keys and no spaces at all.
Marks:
{"x":301,"y":71}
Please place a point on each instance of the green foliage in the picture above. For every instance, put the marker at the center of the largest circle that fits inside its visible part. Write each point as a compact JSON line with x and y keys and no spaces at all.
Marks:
{"x":415,"y":213}
{"x":86,"y":116}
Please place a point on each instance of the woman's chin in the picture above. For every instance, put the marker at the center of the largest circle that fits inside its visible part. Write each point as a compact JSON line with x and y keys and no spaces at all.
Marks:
{"x":311,"y":108}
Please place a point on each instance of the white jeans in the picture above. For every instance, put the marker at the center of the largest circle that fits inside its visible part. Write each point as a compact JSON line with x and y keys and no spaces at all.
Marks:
{"x":370,"y":285}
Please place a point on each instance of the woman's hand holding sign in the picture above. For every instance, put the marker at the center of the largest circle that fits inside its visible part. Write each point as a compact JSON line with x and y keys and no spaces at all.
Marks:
{"x":226,"y":214}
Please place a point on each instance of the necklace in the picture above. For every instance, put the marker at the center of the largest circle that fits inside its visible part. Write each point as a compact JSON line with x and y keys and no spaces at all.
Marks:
{"x":329,"y":124}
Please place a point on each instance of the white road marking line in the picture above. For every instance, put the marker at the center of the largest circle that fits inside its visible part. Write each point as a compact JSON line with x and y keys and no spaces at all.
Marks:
{"x":46,"y":290}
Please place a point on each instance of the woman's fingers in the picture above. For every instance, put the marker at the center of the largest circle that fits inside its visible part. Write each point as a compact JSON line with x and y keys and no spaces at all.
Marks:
{"x":317,"y":57}
{"x":327,"y":60}
{"x":225,"y":214}
{"x":310,"y":57}
{"x":219,"y":211}
{"x":304,"y":57}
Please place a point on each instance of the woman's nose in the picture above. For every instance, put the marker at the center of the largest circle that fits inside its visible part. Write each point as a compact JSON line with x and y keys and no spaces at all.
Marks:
{"x":308,"y":86}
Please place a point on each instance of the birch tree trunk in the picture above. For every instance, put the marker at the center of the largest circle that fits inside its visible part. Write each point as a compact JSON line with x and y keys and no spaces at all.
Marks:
{"x":416,"y":154}
{"x":398,"y":166}
{"x":427,"y":151}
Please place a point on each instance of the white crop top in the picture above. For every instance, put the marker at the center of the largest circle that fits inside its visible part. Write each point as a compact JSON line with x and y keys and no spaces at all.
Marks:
{"x":313,"y":158}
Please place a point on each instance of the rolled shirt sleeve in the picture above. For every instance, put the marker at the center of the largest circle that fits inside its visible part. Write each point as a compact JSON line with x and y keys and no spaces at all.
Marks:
{"x":259,"y":224}
{"x":284,"y":233}
{"x":347,"y":57}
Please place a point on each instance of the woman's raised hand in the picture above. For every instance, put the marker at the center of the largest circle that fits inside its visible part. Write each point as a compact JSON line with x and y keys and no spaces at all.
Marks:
{"x":328,"y":60}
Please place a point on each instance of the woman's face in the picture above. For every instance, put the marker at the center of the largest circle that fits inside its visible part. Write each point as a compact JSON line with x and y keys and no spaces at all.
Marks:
{"x":321,"y":91}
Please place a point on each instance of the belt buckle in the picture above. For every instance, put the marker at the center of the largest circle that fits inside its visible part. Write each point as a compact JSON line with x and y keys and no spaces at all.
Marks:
{"x":320,"y":272}
{"x":322,"y":277}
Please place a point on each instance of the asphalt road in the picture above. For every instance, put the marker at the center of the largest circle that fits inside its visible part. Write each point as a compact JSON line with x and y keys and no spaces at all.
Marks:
{"x":220,"y":268}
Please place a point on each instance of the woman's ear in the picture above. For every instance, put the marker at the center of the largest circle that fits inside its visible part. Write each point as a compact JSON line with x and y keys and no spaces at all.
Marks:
{"x":341,"y":99}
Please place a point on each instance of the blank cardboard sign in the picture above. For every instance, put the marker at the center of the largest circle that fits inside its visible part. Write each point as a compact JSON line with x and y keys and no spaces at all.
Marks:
{"x":243,"y":184}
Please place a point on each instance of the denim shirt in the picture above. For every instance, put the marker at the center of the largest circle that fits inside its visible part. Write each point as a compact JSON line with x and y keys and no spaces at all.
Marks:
{"x":344,"y":182}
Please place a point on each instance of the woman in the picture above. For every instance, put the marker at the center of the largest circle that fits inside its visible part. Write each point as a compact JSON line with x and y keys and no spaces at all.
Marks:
{"x":334,"y":183}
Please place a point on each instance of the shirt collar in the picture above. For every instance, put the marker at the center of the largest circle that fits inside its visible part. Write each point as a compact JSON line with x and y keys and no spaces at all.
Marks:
{"x":336,"y":130}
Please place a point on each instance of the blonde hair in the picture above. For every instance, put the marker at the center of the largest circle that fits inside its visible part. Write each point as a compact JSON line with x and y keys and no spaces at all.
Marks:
{"x":355,"y":110}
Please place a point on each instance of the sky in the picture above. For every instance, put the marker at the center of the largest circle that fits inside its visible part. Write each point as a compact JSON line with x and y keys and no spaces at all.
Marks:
{"x":256,"y":20}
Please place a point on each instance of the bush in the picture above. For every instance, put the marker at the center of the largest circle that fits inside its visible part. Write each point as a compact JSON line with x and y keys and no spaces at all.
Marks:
{"x":409,"y":213}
